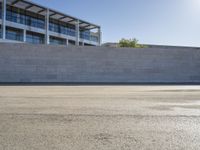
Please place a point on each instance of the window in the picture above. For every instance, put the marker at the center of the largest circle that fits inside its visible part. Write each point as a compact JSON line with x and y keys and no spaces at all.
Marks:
{"x":34,"y":38}
{"x":59,"y":27}
{"x":94,"y":38}
{"x":57,"y":41}
{"x":85,"y":35}
{"x":24,"y":17}
{"x":14,"y":34}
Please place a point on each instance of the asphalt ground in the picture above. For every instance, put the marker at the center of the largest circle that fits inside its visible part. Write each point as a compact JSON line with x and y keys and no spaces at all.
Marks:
{"x":99,"y":117}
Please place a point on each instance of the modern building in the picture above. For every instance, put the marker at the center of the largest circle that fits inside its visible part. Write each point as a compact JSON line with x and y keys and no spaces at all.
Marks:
{"x":25,"y":21}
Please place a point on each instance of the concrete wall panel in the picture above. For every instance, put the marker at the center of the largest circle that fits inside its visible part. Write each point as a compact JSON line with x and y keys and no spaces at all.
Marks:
{"x":41,"y":63}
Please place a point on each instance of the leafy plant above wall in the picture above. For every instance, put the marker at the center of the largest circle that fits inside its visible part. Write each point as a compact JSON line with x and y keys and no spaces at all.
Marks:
{"x":131,"y":43}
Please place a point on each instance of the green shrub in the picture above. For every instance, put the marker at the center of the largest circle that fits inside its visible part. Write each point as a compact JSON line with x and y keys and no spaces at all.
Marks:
{"x":132,"y":43}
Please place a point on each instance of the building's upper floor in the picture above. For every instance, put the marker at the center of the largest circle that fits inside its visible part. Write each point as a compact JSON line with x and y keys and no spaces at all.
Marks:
{"x":33,"y":15}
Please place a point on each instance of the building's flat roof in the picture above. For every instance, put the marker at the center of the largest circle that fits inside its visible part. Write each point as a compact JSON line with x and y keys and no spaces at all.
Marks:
{"x":112,"y":44}
{"x":39,"y":9}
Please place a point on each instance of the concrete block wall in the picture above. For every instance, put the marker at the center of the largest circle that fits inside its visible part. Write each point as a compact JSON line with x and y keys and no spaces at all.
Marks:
{"x":28,"y":63}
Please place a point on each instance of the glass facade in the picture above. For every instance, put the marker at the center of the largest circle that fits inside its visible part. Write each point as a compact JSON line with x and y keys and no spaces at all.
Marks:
{"x":34,"y":38}
{"x":14,"y":34}
{"x":0,"y":32}
{"x":28,"y":18}
{"x":57,"y":41}
{"x":86,"y":34}
{"x":63,"y":28}
{"x":0,"y":10}
{"x":70,"y":42}
{"x":0,"y":18}
{"x":94,"y":38}
{"x":24,"y":17}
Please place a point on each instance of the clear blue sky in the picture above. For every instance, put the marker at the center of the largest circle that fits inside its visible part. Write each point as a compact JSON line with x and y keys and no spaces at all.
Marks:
{"x":168,"y":22}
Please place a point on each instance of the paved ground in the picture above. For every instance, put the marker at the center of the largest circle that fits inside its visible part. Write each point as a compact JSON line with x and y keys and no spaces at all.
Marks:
{"x":99,"y":117}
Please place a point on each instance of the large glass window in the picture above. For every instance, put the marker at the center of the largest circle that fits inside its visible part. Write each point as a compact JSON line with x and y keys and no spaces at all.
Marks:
{"x":14,"y":34}
{"x":63,"y":28}
{"x":71,"y":42}
{"x":0,"y":18}
{"x":0,"y":10}
{"x":34,"y":38}
{"x":85,"y":35}
{"x":57,"y":41}
{"x":94,"y":38}
{"x":24,"y":17}
{"x":0,"y":32}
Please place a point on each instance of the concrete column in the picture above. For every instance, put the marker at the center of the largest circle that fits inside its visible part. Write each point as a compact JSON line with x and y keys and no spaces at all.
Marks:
{"x":24,"y":36}
{"x":100,"y":36}
{"x":3,"y":26}
{"x":67,"y":42}
{"x":77,"y":33}
{"x":47,"y":27}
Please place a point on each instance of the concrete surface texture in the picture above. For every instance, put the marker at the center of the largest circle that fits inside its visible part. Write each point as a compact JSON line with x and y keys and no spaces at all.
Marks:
{"x":100,"y":118}
{"x":41,"y":63}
